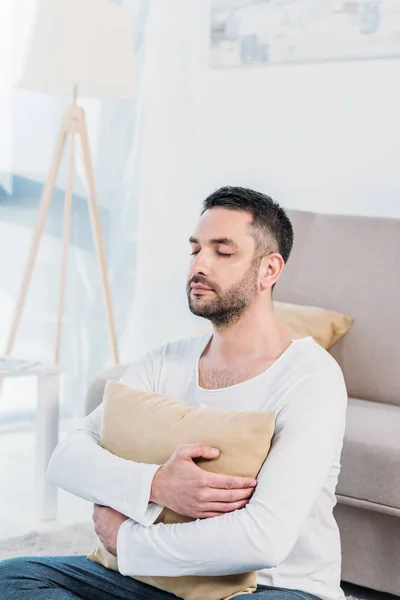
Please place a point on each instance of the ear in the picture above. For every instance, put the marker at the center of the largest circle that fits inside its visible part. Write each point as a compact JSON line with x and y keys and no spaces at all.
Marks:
{"x":270,"y":269}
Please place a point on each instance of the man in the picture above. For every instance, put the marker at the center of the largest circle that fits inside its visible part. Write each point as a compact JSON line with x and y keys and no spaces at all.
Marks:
{"x":281,"y":525}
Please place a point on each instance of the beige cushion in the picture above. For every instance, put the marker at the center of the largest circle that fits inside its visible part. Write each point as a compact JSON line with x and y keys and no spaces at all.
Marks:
{"x":371,"y":450}
{"x":326,"y":326}
{"x":147,"y":428}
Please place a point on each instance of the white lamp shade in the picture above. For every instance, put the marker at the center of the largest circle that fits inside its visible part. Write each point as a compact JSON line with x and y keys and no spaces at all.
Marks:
{"x":88,"y":43}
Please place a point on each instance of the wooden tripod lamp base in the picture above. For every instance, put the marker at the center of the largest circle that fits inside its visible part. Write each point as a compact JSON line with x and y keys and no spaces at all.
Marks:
{"x":73,"y":125}
{"x":71,"y":43}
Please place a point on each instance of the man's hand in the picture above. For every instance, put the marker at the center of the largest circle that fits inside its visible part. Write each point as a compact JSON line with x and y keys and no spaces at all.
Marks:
{"x":189,"y":490}
{"x":107,"y":522}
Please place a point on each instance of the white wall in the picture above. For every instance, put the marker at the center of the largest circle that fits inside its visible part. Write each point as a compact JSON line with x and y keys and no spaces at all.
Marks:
{"x":323,"y":137}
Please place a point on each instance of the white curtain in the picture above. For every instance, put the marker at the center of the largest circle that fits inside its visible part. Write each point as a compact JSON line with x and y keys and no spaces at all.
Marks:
{"x":6,"y":53}
{"x":114,"y":131}
{"x":112,"y":126}
{"x":147,"y":167}
{"x":169,"y":169}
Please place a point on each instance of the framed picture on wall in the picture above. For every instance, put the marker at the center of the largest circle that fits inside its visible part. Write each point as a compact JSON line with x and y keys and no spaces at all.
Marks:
{"x":264,"y":32}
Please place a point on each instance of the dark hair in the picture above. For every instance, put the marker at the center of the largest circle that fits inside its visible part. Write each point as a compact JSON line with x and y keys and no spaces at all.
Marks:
{"x":271,"y":225}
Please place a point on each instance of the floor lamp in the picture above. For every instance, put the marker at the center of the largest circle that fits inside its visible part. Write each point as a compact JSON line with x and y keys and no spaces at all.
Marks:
{"x":75,"y":46}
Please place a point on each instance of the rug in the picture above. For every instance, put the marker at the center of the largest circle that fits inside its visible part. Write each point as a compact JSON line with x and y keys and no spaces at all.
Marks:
{"x":80,"y":538}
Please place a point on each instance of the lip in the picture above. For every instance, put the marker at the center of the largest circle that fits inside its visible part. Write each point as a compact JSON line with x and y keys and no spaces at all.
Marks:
{"x":196,"y":287}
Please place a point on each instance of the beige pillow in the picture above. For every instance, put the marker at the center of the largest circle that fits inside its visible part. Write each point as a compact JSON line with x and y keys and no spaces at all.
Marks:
{"x":326,"y":326}
{"x":147,"y":428}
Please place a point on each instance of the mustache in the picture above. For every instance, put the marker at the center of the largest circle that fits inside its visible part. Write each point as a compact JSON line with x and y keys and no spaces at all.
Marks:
{"x":202,"y":281}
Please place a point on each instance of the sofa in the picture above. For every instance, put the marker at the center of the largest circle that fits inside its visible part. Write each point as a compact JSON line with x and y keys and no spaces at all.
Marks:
{"x":352,"y":264}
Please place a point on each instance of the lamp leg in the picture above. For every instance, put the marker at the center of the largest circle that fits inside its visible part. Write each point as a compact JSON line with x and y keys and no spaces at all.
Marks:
{"x":98,"y":238}
{"x":43,"y":212}
{"x":65,"y":243}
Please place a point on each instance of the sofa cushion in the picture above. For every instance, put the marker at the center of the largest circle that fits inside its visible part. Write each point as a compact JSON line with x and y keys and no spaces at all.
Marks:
{"x":371,"y":452}
{"x":330,"y":266}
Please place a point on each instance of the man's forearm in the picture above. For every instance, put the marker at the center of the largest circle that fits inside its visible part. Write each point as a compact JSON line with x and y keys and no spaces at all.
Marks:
{"x":82,"y":467}
{"x":202,"y":547}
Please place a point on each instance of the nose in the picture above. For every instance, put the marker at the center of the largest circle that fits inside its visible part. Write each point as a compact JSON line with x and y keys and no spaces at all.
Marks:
{"x":200,"y":265}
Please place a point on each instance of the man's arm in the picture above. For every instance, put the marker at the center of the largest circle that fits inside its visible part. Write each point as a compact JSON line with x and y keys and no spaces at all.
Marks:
{"x":309,"y":432}
{"x":81,"y":466}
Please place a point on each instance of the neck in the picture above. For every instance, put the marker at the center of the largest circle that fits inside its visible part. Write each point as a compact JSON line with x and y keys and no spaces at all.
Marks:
{"x":258,"y":334}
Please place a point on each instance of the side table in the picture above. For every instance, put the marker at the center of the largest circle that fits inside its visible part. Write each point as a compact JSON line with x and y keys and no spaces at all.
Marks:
{"x":47,"y":425}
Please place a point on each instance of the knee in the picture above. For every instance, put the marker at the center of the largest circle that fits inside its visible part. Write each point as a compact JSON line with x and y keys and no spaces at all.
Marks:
{"x":14,"y":569}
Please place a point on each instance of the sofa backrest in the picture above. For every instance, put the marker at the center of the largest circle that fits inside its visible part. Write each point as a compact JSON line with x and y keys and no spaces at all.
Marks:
{"x":95,"y":391}
{"x":352,"y":264}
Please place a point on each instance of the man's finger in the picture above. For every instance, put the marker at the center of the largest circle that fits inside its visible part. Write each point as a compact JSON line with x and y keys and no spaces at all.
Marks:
{"x":228,"y":482}
{"x":235,"y":495}
{"x":197,"y":451}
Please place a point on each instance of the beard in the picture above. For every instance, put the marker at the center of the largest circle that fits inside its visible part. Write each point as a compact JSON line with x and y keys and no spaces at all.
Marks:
{"x":227,"y":306}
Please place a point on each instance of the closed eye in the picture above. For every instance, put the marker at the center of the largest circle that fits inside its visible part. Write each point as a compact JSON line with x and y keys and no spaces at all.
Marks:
{"x":219,"y":253}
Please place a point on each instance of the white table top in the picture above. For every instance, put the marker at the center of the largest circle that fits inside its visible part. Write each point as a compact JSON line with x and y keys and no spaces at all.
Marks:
{"x":42,"y":369}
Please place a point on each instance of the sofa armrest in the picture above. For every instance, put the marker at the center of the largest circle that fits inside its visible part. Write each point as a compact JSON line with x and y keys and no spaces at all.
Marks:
{"x":96,"y":387}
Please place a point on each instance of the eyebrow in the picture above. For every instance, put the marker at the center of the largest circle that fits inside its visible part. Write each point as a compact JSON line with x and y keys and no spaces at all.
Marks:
{"x":224,"y":240}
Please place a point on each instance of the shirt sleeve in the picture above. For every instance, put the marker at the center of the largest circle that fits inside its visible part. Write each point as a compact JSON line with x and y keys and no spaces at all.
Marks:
{"x":82,"y":467}
{"x":305,"y":452}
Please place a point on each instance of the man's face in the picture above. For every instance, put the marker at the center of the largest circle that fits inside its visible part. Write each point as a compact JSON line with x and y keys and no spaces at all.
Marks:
{"x":223,"y":273}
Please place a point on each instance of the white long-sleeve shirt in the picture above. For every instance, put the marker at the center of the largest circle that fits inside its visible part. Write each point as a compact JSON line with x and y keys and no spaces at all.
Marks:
{"x":287,"y":532}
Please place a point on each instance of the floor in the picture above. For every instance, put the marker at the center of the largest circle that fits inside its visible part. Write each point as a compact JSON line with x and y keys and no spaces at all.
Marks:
{"x":17,"y":489}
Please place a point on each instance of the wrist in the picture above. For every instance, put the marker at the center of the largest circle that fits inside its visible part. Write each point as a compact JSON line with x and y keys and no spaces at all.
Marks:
{"x":155,"y":491}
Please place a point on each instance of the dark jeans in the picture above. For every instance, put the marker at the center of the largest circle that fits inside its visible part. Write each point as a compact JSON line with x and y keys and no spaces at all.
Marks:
{"x":76,"y":577}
